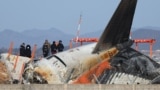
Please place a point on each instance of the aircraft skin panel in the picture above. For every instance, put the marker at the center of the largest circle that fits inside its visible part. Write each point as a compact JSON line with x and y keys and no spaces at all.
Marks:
{"x":14,"y":64}
{"x":49,"y":71}
{"x":71,"y":57}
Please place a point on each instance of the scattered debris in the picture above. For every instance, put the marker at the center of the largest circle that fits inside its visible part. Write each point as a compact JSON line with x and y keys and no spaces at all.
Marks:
{"x":4,"y":75}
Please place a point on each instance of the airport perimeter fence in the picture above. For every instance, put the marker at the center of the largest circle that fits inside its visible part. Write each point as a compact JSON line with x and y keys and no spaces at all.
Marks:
{"x":77,"y":87}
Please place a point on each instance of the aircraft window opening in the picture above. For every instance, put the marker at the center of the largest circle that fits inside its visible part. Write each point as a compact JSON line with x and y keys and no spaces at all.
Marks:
{"x":57,"y":59}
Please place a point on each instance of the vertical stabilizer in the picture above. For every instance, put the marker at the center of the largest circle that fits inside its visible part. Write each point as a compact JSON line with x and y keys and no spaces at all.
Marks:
{"x":118,"y":29}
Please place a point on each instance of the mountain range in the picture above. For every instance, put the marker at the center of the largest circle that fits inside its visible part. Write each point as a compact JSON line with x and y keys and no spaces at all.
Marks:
{"x":38,"y":37}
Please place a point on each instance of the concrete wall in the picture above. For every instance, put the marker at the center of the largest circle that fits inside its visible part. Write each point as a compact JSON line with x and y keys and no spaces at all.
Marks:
{"x":78,"y":87}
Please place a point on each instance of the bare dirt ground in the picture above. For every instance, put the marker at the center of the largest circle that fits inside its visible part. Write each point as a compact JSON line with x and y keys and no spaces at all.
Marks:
{"x":4,"y":76}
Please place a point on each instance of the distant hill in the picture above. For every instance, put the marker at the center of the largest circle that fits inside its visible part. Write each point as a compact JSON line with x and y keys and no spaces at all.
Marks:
{"x":36,"y":36}
{"x":145,"y":33}
{"x":33,"y":36}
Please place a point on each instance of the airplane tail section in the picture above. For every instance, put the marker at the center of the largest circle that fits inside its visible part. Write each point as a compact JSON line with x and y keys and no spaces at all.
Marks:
{"x":118,"y":29}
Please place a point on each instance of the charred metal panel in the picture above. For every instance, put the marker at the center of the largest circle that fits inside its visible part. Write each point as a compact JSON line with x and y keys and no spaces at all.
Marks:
{"x":131,"y":62}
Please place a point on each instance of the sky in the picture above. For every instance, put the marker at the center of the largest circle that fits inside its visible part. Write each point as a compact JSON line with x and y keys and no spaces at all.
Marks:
{"x":20,"y":15}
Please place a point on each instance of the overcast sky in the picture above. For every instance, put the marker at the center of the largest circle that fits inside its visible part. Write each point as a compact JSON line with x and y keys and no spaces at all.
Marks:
{"x":20,"y":15}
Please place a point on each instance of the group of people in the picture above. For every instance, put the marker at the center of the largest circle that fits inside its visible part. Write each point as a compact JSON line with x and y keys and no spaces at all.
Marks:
{"x":53,"y":48}
{"x":25,"y":50}
{"x":47,"y":48}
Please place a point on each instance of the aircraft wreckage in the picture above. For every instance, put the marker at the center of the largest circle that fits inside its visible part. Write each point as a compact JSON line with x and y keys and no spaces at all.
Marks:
{"x":109,"y":61}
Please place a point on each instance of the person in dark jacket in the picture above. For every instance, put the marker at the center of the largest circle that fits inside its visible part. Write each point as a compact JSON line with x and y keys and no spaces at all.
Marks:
{"x":22,"y":49}
{"x":53,"y":48}
{"x":60,"y":46}
{"x":28,"y":51}
{"x":46,"y":48}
